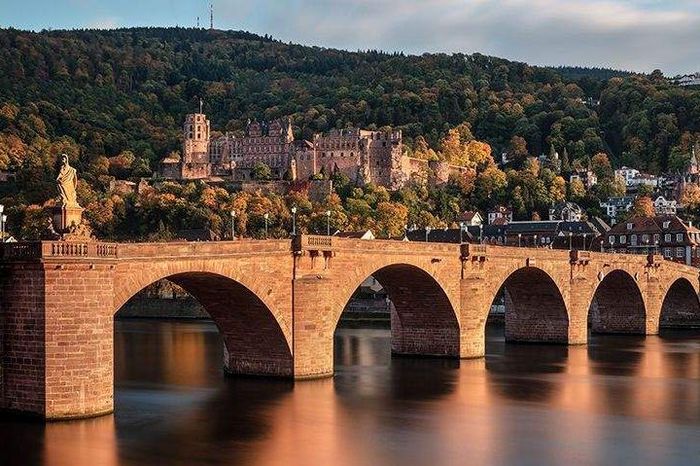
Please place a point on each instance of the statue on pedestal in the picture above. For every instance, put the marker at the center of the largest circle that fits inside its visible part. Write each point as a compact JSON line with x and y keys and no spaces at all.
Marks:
{"x":67,"y":183}
{"x":68,"y":216}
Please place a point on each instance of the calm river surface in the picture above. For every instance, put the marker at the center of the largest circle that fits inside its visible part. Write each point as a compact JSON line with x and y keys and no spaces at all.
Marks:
{"x":620,"y":400}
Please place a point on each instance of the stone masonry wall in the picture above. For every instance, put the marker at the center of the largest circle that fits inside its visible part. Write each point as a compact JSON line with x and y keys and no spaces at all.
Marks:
{"x":79,"y":339}
{"x":23,"y":335}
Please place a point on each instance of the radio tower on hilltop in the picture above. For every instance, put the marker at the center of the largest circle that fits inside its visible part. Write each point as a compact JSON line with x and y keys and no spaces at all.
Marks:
{"x":211,"y":16}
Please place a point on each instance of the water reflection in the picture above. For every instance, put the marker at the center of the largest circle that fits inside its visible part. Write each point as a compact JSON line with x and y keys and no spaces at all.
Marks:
{"x":618,"y":399}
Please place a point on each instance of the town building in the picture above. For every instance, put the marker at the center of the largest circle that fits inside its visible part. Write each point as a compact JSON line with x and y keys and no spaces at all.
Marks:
{"x":662,"y":234}
{"x":364,"y":234}
{"x":691,"y":175}
{"x":471,"y":218}
{"x":643,"y":179}
{"x":566,"y":211}
{"x":540,"y":234}
{"x":587,"y":177}
{"x":664,"y":206}
{"x":627,"y":174}
{"x":615,"y":206}
{"x":500,"y":215}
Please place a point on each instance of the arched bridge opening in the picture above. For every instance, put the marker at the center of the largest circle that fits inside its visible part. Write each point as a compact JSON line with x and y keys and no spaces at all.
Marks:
{"x":253,"y":342}
{"x":617,"y":305}
{"x":680,"y":307}
{"x":422,"y":319}
{"x":532,"y":308}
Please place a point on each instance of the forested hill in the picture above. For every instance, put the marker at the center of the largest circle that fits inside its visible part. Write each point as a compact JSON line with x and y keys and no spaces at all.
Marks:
{"x":129,"y":89}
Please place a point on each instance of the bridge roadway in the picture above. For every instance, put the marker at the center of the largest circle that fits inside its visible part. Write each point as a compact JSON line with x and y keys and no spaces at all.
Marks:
{"x":277,"y":304}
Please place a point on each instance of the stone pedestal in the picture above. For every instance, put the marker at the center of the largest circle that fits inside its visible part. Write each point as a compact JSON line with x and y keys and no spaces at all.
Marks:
{"x":66,"y":217}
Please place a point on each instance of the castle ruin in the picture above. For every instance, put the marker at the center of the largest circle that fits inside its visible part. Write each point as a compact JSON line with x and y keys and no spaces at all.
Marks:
{"x":361,"y":155}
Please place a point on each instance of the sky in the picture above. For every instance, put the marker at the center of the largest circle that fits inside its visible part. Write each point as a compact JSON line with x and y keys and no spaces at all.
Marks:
{"x":638,"y":35}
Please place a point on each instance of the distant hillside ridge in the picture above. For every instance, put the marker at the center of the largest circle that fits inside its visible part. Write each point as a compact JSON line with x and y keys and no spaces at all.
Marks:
{"x":129,"y":89}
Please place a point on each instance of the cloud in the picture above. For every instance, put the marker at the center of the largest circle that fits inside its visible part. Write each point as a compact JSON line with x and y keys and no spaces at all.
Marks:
{"x":103,"y":23}
{"x":632,"y":34}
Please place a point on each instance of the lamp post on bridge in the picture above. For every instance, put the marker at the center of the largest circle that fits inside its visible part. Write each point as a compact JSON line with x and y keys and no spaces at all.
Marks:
{"x":427,"y":232}
{"x":233,"y":225}
{"x":294,"y":220}
{"x":266,"y":216}
{"x":461,"y":231}
{"x":520,"y":235}
{"x":535,"y":240}
{"x":571,"y":238}
{"x":481,"y":234}
{"x":3,"y":218}
{"x":328,"y":223}
{"x":585,"y":247}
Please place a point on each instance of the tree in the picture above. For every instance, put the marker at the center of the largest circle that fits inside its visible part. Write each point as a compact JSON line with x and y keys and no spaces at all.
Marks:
{"x":261,"y":172}
{"x":645,"y":190}
{"x":517,"y":150}
{"x":557,"y":189}
{"x":690,"y":197}
{"x":643,"y":207}
{"x":391,"y":218}
{"x":600,"y":164}
{"x":577,"y":190}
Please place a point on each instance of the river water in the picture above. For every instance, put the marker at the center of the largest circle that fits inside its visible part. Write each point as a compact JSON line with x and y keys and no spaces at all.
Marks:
{"x":619,"y":400}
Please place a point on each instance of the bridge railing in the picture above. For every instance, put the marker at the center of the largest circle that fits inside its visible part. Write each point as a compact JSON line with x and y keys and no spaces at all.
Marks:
{"x":66,"y":249}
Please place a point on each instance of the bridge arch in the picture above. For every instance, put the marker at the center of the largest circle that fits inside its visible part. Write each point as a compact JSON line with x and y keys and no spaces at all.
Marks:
{"x":423,"y":318}
{"x":535,"y":310}
{"x":252,"y":332}
{"x":680,"y":304}
{"x":617,"y":305}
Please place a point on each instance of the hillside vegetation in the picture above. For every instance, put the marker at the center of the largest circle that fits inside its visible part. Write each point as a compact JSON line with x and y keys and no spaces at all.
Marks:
{"x":115,"y":101}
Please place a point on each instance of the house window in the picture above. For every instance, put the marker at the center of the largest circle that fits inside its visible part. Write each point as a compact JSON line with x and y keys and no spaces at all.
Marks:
{"x":645,"y":239}
{"x":611,"y":239}
{"x":633,"y":240}
{"x":668,"y":252}
{"x":667,"y":224}
{"x":667,"y":237}
{"x":679,"y":253}
{"x":679,"y":237}
{"x":656,"y":238}
{"x":623,"y":239}
{"x":629,"y":226}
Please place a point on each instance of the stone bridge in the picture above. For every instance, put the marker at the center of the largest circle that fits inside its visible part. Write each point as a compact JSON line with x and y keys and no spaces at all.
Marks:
{"x":277,"y":304}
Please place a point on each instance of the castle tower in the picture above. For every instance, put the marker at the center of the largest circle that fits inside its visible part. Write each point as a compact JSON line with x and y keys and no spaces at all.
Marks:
{"x":195,"y":146}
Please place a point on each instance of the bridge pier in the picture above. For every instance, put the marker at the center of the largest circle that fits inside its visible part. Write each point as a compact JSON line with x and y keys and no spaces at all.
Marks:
{"x":314,"y":326}
{"x":58,"y":354}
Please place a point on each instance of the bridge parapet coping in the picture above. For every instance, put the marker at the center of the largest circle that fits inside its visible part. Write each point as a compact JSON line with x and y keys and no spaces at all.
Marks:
{"x":34,"y":250}
{"x":333,"y":243}
{"x":203,"y":248}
